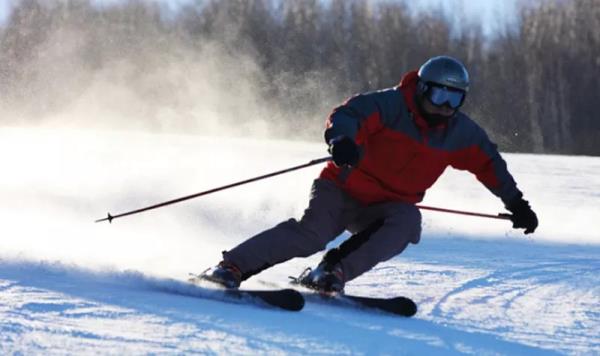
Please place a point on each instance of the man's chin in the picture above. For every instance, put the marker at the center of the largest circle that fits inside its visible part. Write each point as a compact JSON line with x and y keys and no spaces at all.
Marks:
{"x":436,"y":119}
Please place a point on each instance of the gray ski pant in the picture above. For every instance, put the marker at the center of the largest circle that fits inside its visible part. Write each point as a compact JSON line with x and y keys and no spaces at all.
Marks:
{"x":330,"y":212}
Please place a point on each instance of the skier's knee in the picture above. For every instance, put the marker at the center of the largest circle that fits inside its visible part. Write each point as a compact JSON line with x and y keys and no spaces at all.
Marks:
{"x":316,"y":238}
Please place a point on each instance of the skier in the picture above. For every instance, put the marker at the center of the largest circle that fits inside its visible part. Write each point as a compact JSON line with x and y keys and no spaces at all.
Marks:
{"x":388,"y":147}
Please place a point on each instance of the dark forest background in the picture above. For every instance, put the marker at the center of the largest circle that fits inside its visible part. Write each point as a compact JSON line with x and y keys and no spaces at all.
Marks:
{"x":534,"y":87}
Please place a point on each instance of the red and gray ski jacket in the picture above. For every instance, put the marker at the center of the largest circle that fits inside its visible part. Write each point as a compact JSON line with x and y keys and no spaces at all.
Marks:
{"x":401,"y":157}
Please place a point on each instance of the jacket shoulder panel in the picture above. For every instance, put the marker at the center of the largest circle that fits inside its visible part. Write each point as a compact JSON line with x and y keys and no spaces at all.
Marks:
{"x":463,"y":133}
{"x":395,"y":114}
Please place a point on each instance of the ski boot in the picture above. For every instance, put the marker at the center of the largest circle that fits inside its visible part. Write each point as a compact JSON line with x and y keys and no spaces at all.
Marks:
{"x":325,"y":279}
{"x":225,"y":273}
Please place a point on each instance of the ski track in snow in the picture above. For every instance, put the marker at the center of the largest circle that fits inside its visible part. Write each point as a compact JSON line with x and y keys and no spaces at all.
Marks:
{"x":481,"y":288}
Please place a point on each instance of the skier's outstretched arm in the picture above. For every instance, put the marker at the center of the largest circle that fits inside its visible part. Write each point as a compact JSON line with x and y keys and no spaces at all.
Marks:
{"x":484,"y":161}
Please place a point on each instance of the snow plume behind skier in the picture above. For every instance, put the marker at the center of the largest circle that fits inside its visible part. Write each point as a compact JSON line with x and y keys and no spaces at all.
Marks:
{"x":388,"y":147}
{"x":135,"y":116}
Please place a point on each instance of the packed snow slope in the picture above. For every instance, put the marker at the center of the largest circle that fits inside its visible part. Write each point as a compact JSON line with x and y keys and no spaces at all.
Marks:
{"x":68,"y":285}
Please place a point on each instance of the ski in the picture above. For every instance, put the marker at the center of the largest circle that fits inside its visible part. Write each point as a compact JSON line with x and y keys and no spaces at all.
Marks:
{"x":287,"y":299}
{"x":399,"y":305}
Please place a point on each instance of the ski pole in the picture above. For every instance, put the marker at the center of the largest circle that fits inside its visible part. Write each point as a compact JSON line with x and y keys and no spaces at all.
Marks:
{"x":501,"y":216}
{"x":110,"y":217}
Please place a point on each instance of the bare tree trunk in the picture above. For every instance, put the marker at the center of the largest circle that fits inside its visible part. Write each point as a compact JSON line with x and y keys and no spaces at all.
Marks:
{"x":537,"y":135}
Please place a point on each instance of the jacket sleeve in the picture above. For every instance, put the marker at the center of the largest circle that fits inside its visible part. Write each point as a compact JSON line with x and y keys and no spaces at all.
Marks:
{"x":483,"y":160}
{"x":360,"y":111}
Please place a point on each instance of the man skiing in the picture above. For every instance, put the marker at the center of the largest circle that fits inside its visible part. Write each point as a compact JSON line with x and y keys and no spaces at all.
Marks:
{"x":388,"y":147}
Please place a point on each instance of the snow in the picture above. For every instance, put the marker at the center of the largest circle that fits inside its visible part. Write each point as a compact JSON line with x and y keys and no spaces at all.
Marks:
{"x":68,"y":285}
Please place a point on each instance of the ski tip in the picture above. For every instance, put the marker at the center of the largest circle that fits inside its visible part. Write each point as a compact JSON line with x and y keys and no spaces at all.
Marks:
{"x":295,"y":299}
{"x":406,"y":306}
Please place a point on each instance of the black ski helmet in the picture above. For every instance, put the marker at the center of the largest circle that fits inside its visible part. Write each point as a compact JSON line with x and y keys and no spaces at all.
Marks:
{"x":444,"y":71}
{"x":444,"y":81}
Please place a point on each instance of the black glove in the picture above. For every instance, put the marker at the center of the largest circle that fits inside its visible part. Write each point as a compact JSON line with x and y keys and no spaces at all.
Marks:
{"x":522,"y":216}
{"x":344,"y":151}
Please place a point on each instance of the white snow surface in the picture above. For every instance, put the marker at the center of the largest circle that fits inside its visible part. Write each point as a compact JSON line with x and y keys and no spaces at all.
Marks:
{"x":72,"y":286}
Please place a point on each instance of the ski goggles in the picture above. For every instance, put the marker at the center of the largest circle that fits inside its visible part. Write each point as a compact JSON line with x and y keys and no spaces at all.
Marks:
{"x":440,"y":96}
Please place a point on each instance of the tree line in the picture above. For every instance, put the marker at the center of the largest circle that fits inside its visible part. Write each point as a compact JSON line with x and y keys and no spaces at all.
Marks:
{"x":534,"y":86}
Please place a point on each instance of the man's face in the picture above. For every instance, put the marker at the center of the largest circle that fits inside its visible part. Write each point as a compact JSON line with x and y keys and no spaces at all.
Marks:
{"x":431,"y":109}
